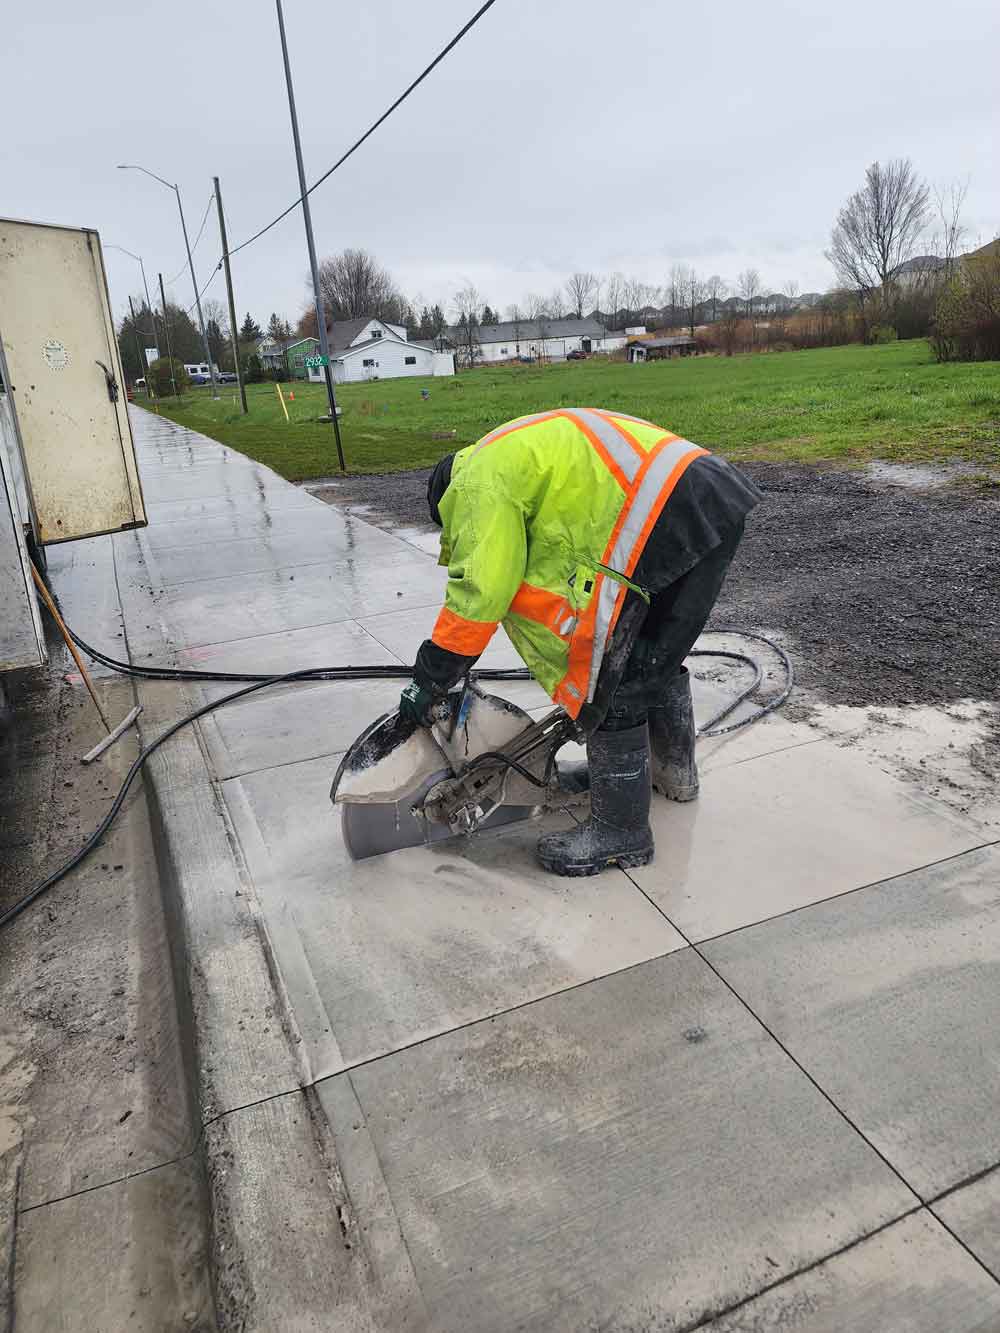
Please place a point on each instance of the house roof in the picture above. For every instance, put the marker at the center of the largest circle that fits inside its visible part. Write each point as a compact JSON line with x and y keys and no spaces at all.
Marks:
{"x":920,"y":264}
{"x":685,"y":341}
{"x":524,"y":329}
{"x":378,"y":342}
{"x":342,"y":332}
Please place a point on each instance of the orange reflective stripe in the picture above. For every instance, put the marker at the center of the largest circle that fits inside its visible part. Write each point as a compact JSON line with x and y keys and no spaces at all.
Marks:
{"x":571,"y":691}
{"x":544,"y":608}
{"x":458,"y":635}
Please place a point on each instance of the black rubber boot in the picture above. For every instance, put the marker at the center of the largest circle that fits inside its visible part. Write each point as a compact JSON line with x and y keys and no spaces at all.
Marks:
{"x":672,"y":740}
{"x":617,"y":832}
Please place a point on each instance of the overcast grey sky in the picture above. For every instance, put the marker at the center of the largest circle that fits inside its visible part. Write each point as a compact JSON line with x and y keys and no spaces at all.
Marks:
{"x":560,"y":134}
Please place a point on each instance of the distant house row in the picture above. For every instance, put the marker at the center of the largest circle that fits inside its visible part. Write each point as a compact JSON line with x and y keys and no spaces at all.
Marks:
{"x":360,"y":349}
{"x":369,"y":349}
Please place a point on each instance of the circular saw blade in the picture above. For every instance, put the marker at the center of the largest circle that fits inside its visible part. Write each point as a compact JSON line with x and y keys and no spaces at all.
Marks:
{"x":372,"y":828}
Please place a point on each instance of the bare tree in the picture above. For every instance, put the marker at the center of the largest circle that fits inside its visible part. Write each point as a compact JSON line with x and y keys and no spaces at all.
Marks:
{"x":748,"y":290}
{"x":949,"y":201}
{"x":613,"y":287}
{"x":674,"y":293}
{"x":694,"y":294}
{"x":637,"y":295}
{"x":877,"y":230}
{"x":515,"y":317}
{"x":715,"y":291}
{"x":468,"y":313}
{"x":355,"y":285}
{"x":556,"y":304}
{"x":579,"y":290}
{"x":538,"y":312}
{"x":791,"y":293}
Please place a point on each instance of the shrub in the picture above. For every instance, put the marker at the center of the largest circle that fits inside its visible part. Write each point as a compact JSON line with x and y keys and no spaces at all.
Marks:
{"x":158,"y":377}
{"x":253,"y":371}
{"x":967,"y":316}
{"x":883,"y":333}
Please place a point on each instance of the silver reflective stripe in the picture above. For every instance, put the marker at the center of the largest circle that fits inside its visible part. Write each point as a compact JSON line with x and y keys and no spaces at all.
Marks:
{"x":510,"y":426}
{"x":639,"y":421}
{"x":642,"y":505}
{"x":614,"y":441}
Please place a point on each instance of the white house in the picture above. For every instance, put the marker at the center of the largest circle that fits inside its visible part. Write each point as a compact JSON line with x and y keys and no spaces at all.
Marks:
{"x":533,"y":339}
{"x":371,"y":349}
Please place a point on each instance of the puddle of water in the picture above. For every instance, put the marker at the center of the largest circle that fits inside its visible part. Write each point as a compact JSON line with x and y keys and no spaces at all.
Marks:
{"x":924,"y":476}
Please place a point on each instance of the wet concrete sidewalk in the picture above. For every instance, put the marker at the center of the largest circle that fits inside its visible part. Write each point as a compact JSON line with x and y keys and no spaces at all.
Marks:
{"x":444,"y":1090}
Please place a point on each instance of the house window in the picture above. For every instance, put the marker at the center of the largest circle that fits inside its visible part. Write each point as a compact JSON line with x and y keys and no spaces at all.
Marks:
{"x":503,"y":351}
{"x":410,"y":360}
{"x":376,"y":333}
{"x":368,"y":361}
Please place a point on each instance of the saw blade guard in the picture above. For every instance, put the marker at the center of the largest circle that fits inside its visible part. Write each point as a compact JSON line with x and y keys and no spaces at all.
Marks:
{"x":385,"y":776}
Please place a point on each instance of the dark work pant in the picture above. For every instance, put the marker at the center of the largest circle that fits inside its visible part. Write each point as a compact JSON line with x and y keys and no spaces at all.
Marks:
{"x":653,"y":640}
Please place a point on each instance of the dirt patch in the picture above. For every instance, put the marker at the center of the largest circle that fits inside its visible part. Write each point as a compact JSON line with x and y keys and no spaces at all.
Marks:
{"x":887,"y":594}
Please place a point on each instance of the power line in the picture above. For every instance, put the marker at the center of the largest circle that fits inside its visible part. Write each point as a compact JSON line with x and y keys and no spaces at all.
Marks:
{"x":372,"y":128}
{"x":171,"y":281}
{"x":215,"y":274}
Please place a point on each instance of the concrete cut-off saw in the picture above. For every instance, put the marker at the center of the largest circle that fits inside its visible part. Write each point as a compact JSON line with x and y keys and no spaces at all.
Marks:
{"x":483,"y":762}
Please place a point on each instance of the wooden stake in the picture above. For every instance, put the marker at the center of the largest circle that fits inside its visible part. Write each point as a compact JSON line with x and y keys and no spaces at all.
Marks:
{"x":281,"y":399}
{"x":54,"y":613}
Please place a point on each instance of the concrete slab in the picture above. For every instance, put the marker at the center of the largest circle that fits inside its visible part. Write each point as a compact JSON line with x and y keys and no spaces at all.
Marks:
{"x":234,"y":525}
{"x":889,"y":998}
{"x":636,"y":1153}
{"x":787,"y":829}
{"x":316,"y":545}
{"x":295,"y":722}
{"x":214,"y":609}
{"x":129,"y":1255}
{"x":379,"y":953}
{"x":910,"y":1278}
{"x":973,"y":1214}
{"x":248,"y":503}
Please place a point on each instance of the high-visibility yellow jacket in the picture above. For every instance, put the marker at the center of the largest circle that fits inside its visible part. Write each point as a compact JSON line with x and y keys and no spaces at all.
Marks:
{"x":544,"y":521}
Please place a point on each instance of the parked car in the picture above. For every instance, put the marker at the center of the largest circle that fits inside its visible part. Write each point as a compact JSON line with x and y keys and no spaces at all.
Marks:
{"x":140,"y":383}
{"x":576,"y":356}
{"x":199,"y":379}
{"x":226,"y":377}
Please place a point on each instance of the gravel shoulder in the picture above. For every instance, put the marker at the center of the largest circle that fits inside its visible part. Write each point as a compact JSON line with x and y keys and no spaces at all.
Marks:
{"x":883,"y":584}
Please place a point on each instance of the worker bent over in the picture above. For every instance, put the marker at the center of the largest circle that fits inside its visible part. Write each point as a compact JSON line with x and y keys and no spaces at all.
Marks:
{"x":600,"y":542}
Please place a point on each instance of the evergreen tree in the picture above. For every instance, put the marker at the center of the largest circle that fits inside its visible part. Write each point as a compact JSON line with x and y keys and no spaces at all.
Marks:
{"x":425,"y":329}
{"x":217,"y":342}
{"x":438,"y":321}
{"x":250,"y":330}
{"x":489,"y":316}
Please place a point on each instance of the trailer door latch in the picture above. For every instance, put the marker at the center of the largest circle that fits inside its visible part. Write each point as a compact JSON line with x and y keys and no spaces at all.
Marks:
{"x":112,"y":383}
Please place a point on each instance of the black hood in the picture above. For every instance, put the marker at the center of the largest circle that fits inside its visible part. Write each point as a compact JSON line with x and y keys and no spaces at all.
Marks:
{"x":438,"y":484}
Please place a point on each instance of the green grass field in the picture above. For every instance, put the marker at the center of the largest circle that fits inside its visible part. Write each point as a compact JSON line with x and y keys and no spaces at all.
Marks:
{"x":844,"y":403}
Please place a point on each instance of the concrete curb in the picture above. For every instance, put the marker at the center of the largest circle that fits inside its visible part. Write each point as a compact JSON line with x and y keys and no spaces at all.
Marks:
{"x":281,"y":1253}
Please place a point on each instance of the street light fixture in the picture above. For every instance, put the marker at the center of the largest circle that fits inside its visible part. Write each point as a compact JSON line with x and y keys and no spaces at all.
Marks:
{"x":132,"y":166}
{"x":152,"y":312}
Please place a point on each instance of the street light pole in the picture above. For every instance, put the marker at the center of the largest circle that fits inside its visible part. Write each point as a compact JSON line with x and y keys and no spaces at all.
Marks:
{"x":324,"y":345}
{"x":132,"y":166}
{"x":142,"y":266}
{"x":234,"y":332}
{"x":166,"y":330}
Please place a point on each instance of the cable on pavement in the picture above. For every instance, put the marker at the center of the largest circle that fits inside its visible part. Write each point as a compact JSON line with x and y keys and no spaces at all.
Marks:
{"x":384,"y":672}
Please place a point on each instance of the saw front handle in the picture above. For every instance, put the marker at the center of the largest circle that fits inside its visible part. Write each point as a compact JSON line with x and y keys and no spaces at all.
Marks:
{"x":523,"y":773}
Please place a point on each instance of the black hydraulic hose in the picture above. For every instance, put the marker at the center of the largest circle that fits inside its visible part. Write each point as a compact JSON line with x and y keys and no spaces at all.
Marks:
{"x":391,"y":672}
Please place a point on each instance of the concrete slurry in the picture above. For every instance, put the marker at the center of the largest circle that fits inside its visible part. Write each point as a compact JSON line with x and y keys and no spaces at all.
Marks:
{"x":758,"y":1070}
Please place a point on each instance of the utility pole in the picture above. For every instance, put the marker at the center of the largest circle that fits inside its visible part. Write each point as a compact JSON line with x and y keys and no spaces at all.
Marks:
{"x":234,"y":332}
{"x":134,"y":166}
{"x":138,"y":347}
{"x":324,"y":345}
{"x":166,"y":330}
